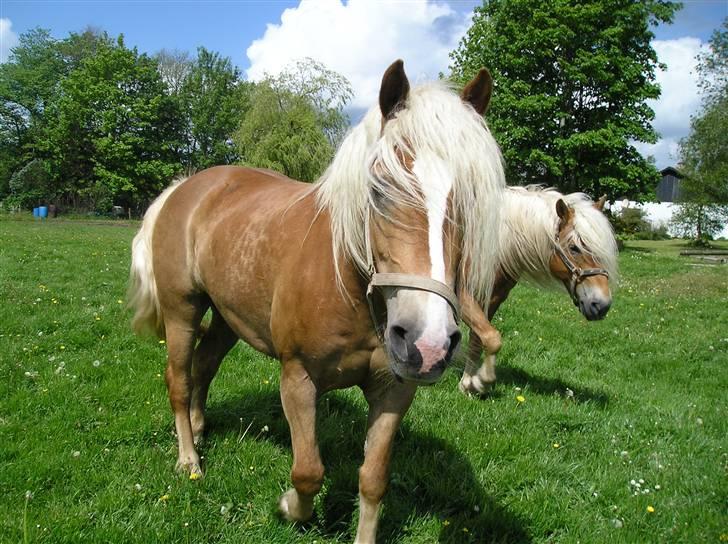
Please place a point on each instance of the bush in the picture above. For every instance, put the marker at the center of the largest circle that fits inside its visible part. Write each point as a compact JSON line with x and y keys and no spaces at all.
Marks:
{"x":701,"y":243}
{"x":631,"y":224}
{"x":30,"y":185}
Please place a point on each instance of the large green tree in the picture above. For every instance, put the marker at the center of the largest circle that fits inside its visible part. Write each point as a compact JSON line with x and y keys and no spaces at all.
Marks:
{"x":114,"y":130}
{"x":704,"y":152}
{"x":571,"y":83}
{"x":213,"y":101}
{"x":29,"y":82}
{"x":295,"y":121}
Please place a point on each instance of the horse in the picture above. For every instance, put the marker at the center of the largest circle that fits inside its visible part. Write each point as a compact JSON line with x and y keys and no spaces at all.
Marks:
{"x":348,"y":282}
{"x":553,"y":240}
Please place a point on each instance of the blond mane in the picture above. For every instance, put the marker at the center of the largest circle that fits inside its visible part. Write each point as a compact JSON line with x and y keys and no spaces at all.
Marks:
{"x":435,"y":120}
{"x":529,"y":227}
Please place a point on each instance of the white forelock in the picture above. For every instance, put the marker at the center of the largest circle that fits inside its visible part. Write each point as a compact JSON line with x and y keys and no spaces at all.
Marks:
{"x":434,"y":121}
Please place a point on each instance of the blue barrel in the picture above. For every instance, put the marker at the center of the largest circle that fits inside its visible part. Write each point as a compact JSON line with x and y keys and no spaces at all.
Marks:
{"x":43,"y":212}
{"x":35,"y":212}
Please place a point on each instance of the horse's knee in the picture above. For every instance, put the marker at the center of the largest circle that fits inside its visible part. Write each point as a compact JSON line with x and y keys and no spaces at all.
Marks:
{"x":307,"y":479}
{"x":492,"y":341}
{"x":178,"y":388}
{"x":373,"y":482}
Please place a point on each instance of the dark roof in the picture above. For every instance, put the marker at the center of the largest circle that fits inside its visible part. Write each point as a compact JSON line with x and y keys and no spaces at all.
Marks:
{"x":671,"y":171}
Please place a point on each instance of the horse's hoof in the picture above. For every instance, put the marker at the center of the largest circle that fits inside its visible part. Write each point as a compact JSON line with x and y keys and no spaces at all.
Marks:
{"x":292,"y":508}
{"x":474,"y":385}
{"x":192,"y":469}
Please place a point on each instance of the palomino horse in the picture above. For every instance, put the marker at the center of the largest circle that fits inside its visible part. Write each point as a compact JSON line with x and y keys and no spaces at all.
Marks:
{"x":550,"y":239}
{"x":410,"y":199}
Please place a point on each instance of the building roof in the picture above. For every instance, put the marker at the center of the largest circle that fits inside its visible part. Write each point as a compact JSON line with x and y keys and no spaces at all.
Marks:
{"x":671,"y":171}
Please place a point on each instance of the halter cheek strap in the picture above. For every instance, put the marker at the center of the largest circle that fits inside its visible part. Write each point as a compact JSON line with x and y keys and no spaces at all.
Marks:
{"x":577,"y":273}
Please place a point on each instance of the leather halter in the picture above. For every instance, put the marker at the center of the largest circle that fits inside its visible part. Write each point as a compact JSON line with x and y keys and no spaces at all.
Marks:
{"x":577,"y":273}
{"x":407,"y":281}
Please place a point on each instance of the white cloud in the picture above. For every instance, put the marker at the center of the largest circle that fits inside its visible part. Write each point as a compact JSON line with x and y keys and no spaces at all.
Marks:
{"x":679,"y":100}
{"x":360,"y":38}
{"x":8,"y":38}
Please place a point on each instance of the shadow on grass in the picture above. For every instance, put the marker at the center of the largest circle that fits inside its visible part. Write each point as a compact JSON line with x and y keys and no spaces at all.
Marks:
{"x":429,"y":477}
{"x":548,"y":386}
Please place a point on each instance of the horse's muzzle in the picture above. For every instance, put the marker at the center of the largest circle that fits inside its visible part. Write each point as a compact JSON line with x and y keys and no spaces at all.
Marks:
{"x":416,"y":358}
{"x":594,"y":310}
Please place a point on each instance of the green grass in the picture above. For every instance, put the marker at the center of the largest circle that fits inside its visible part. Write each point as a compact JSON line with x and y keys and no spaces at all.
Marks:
{"x":86,"y":428}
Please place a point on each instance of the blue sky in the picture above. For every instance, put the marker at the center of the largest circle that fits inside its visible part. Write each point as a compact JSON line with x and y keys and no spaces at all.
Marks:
{"x":230,"y":26}
{"x":357,"y":38}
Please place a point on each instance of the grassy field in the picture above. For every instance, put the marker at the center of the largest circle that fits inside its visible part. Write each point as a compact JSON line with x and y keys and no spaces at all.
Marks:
{"x":639,"y":453}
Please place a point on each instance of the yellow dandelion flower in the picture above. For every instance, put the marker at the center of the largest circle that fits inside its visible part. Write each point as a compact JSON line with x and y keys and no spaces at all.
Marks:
{"x":162,"y":342}
{"x":650,"y":509}
{"x":557,"y":445}
{"x":195,"y":475}
{"x":164,"y":498}
{"x":521,"y":398}
{"x":465,"y":530}
{"x":120,"y":301}
{"x":62,"y":347}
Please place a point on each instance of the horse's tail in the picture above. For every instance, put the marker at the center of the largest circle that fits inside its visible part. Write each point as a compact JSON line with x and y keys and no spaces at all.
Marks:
{"x":142,"y":294}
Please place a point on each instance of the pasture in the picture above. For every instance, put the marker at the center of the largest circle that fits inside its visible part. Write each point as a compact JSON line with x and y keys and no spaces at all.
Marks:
{"x":620,"y":434}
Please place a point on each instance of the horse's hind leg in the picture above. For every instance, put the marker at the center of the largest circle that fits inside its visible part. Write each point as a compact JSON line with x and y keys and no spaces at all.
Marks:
{"x":181,"y":323}
{"x":217,"y":340}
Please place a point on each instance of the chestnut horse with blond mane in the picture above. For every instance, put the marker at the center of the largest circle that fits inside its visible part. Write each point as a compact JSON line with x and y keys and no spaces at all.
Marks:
{"x":347,"y":282}
{"x":552,"y":240}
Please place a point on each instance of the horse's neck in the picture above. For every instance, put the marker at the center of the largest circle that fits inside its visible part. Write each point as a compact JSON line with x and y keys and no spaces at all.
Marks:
{"x":521,"y":250}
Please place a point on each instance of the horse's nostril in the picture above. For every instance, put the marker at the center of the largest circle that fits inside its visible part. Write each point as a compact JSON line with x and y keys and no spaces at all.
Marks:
{"x":454,"y":342}
{"x":398,"y":331}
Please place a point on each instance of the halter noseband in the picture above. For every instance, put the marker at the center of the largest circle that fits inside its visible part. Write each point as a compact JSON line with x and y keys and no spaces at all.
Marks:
{"x":407,"y":281}
{"x":577,"y":273}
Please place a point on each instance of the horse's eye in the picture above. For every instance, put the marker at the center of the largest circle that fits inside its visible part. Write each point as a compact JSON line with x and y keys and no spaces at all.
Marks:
{"x":575,"y":249}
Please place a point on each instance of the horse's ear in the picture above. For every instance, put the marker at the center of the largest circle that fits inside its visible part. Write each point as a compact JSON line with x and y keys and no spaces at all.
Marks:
{"x":394,"y":90}
{"x":477,"y":93}
{"x":599,"y":204}
{"x":565,"y":213}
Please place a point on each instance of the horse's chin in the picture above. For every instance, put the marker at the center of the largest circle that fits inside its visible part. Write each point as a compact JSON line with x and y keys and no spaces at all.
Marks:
{"x":404,"y":373}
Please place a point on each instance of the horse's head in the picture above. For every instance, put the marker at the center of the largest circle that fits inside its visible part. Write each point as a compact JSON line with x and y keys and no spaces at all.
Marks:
{"x":416,"y":241}
{"x":576,"y":264}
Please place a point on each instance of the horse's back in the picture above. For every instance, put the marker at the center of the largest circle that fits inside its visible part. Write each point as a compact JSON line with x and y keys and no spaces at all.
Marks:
{"x":227,"y":233}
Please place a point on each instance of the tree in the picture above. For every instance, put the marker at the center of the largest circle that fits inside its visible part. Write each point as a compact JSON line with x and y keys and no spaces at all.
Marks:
{"x":113,"y":130}
{"x":174,"y":66}
{"x":699,"y":221}
{"x":213,"y":101}
{"x":704,"y":152}
{"x":571,"y":83}
{"x":29,"y":82}
{"x":295,"y":121}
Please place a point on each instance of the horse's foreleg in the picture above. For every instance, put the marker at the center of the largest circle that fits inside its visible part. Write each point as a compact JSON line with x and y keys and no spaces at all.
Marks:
{"x":387,"y":406}
{"x":217,"y":340}
{"x":478,"y":378}
{"x":180,"y":346}
{"x":299,"y":394}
